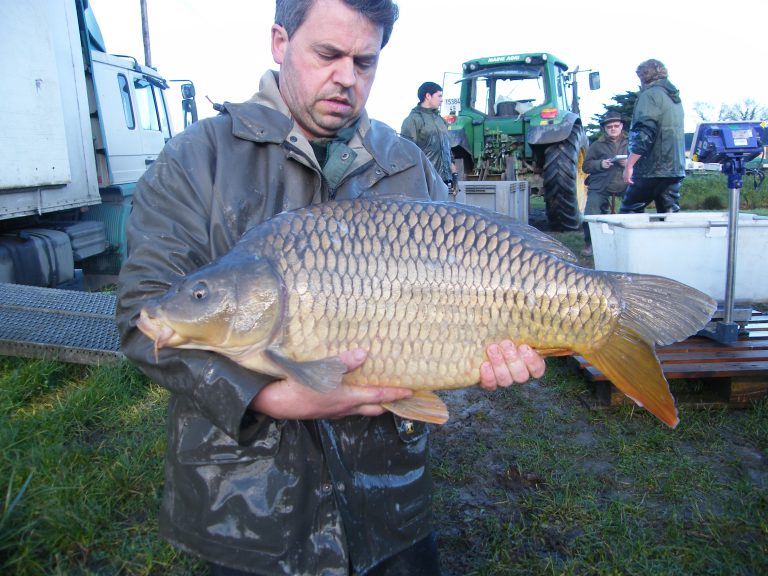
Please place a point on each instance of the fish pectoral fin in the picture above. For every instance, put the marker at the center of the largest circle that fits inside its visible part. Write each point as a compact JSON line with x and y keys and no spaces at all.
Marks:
{"x":424,"y":406}
{"x":320,"y":375}
{"x":544,"y":352}
{"x":631,"y":364}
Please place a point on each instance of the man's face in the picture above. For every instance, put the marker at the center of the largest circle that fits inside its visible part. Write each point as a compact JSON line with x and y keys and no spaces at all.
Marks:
{"x":433,"y":101}
{"x":613,"y":129}
{"x":328,"y":66}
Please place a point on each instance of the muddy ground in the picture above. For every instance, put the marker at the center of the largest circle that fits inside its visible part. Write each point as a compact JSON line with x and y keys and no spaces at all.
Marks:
{"x":478,"y":482}
{"x":499,"y":475}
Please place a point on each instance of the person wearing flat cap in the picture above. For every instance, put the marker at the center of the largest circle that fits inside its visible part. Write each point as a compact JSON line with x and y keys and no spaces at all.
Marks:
{"x":604,"y":164}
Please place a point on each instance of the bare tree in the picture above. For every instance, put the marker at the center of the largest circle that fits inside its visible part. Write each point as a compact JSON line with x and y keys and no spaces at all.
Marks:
{"x":746,"y":110}
{"x":704,"y":110}
{"x":749,"y":109}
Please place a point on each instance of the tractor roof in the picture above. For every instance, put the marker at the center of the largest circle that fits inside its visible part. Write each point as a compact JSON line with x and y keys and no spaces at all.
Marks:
{"x":528,"y":58}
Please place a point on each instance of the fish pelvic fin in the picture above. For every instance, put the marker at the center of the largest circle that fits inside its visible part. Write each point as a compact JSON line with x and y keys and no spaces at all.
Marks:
{"x":321,"y":375}
{"x":632,"y":366}
{"x":423,"y":405}
{"x":662,"y":310}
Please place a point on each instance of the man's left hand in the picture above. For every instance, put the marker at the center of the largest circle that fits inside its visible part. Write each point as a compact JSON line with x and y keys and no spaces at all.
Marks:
{"x":509,"y":364}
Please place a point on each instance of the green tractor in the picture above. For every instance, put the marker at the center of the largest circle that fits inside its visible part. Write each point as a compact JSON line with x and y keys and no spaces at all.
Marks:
{"x":517,"y":118}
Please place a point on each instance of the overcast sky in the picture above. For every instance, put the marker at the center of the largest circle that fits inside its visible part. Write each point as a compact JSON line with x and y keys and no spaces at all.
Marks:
{"x":714,"y":50}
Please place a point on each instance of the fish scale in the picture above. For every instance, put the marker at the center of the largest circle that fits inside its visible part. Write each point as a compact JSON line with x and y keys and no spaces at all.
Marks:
{"x":424,"y":288}
{"x":419,"y":278}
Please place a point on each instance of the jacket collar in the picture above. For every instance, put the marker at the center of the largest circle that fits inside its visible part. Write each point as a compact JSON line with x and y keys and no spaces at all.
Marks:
{"x":431,"y":111}
{"x":665,"y":85}
{"x":265,"y":118}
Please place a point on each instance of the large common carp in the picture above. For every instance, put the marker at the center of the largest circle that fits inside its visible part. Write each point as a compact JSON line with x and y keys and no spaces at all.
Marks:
{"x":423,"y":287}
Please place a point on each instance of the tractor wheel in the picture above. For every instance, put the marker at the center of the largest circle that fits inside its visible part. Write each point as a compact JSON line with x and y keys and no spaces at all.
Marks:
{"x":565,"y":190}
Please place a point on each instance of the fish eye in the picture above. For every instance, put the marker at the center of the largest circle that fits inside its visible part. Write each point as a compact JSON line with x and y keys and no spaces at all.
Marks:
{"x":200,"y":291}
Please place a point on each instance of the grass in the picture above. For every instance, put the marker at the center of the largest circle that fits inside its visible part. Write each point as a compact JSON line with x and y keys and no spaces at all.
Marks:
{"x":709,"y":191}
{"x":81,"y":454}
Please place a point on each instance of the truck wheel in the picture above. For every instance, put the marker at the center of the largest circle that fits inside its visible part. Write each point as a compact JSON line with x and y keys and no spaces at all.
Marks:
{"x":565,"y":190}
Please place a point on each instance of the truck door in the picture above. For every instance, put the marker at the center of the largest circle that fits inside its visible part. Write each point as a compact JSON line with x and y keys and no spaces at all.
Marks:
{"x":133,"y":123}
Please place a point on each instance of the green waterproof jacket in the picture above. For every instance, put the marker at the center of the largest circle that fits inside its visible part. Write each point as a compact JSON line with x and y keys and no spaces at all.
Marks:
{"x":244,"y":490}
{"x":429,"y":131}
{"x":657,"y":132}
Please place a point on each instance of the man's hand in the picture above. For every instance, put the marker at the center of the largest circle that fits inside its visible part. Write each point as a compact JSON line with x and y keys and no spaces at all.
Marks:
{"x":291,"y":400}
{"x":628,"y":171}
{"x":508,"y":364}
{"x":629,"y":168}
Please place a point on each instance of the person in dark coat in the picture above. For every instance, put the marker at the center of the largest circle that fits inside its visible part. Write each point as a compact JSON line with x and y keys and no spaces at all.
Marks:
{"x":267,"y":476}
{"x":605,"y":163}
{"x":656,"y":165}
{"x":429,"y":131}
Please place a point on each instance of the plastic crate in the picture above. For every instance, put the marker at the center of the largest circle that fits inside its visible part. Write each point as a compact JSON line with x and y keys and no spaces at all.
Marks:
{"x":508,"y":197}
{"x":691,"y":247}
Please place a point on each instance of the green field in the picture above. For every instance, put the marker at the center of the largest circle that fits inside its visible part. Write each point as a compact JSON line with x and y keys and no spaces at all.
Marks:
{"x":709,"y":191}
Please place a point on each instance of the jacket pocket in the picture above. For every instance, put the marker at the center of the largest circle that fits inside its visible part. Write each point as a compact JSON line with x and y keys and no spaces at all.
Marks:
{"x":200,"y":443}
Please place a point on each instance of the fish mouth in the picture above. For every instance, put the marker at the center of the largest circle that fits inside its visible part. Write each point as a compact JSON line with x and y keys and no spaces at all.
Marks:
{"x":155,"y":329}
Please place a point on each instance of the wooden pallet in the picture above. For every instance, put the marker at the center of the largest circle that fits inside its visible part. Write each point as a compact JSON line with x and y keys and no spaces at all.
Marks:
{"x":705,"y":372}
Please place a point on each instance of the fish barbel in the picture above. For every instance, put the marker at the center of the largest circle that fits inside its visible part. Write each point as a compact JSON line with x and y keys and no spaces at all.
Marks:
{"x":424,"y":287}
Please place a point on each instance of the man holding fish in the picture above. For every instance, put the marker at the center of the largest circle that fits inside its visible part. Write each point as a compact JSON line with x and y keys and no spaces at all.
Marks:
{"x":265,"y":475}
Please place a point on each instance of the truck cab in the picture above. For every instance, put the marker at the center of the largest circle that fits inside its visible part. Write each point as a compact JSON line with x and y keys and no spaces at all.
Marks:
{"x":130,"y":120}
{"x":78,"y":128}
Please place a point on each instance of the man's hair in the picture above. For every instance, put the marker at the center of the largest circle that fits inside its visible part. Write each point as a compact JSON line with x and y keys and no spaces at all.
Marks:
{"x":428,"y":88}
{"x":650,"y":71}
{"x":290,"y":14}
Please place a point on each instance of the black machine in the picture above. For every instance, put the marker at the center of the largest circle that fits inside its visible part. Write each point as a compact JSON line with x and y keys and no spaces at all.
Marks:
{"x":732,"y":145}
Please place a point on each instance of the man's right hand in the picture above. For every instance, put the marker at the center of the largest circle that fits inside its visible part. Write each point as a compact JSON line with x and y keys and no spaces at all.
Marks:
{"x":290,"y":400}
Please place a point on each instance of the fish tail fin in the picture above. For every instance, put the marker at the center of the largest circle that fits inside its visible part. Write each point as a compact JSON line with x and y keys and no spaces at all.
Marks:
{"x":631,"y":364}
{"x":656,"y":311}
{"x":661,"y":310}
{"x":423,"y":405}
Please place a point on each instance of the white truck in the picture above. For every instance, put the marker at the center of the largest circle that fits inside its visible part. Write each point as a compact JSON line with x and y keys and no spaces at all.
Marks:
{"x":78,"y":127}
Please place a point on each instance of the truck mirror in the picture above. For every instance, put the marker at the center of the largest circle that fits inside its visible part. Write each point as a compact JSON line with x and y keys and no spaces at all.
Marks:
{"x":189,"y":107}
{"x":188,"y":91}
{"x":594,"y":80}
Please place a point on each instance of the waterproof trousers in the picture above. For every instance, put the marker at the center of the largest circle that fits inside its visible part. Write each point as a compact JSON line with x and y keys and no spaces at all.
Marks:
{"x":664,"y":192}
{"x":421,"y":559}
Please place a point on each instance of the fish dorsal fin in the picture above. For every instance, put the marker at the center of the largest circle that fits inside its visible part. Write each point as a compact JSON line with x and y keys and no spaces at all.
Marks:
{"x":424,"y":406}
{"x":631,"y":364}
{"x":321,"y":375}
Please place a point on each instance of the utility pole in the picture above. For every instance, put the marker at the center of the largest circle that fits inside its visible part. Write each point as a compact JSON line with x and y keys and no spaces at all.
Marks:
{"x":145,"y":33}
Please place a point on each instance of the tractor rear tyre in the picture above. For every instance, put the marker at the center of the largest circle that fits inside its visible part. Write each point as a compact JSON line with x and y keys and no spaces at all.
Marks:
{"x":565,"y":190}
